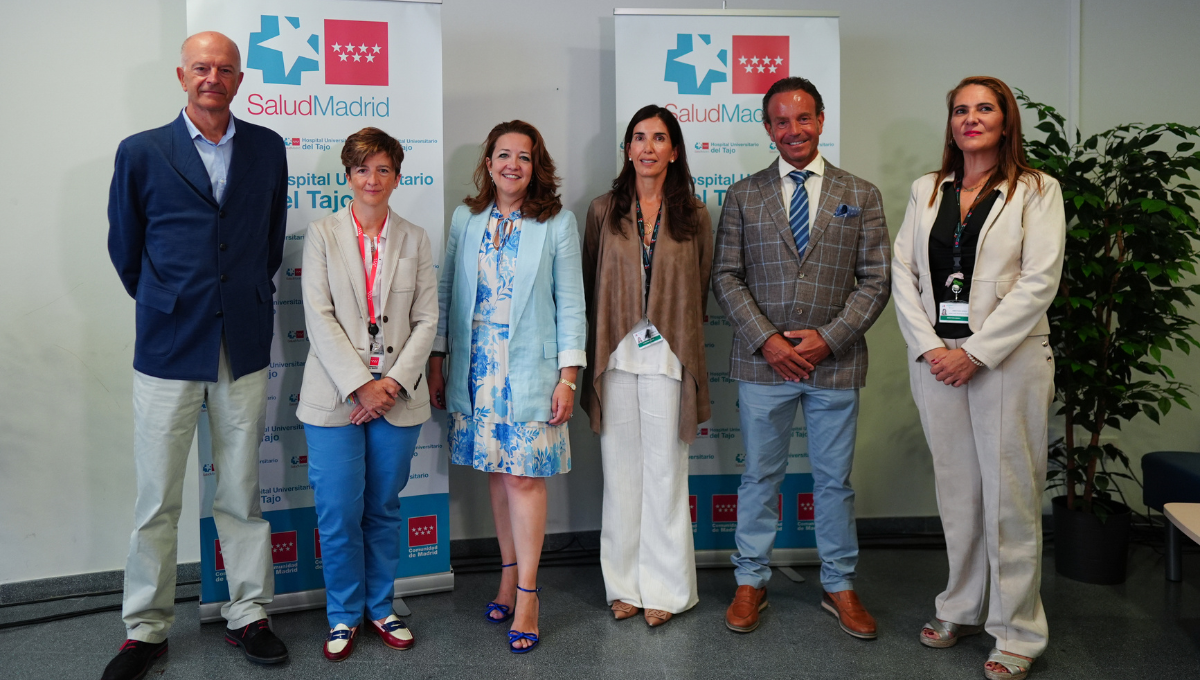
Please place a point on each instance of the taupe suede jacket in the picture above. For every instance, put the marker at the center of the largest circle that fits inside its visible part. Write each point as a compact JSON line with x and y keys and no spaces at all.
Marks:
{"x":612,"y":281}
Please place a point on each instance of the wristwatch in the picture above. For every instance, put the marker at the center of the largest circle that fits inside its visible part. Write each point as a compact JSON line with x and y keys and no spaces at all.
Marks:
{"x":568,"y":383}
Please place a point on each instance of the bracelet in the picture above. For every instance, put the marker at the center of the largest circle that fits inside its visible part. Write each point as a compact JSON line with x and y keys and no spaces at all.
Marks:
{"x":568,"y":383}
{"x":975,"y":361}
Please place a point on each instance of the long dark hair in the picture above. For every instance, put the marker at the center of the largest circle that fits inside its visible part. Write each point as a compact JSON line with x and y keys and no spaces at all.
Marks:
{"x":1011,"y":163}
{"x":679,"y":191}
{"x":541,"y":198}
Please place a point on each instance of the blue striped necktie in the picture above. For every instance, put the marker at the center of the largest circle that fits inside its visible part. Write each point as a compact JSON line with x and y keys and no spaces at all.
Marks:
{"x":798,"y":215}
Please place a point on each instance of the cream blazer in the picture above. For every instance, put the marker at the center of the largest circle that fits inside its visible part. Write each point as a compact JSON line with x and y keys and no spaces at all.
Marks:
{"x":1018,"y":262}
{"x":335,"y":316}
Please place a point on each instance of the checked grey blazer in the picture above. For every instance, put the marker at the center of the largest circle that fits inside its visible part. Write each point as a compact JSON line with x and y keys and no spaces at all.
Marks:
{"x":839,"y":288}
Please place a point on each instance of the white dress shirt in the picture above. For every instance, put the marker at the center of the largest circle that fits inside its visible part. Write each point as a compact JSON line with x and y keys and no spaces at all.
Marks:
{"x":216,"y":157}
{"x":655,"y":359}
{"x":812,"y":185}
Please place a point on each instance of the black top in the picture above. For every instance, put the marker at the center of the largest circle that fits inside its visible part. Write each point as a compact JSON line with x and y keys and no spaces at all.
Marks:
{"x":941,"y":252}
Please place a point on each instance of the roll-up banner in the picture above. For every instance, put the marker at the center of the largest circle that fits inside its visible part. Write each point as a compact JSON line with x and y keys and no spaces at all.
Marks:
{"x":317,"y":71}
{"x":711,"y":69}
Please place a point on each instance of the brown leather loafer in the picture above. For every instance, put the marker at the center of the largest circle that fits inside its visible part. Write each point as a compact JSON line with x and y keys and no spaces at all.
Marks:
{"x":657,"y":617}
{"x":623,"y":610}
{"x":742,"y":615}
{"x":851,"y":615}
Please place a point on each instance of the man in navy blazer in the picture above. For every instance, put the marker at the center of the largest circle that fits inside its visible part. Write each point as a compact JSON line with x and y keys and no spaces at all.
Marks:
{"x":196,"y":228}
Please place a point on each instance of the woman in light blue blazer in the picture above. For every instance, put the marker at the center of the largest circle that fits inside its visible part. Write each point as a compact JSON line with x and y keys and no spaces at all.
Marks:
{"x":512,"y":321}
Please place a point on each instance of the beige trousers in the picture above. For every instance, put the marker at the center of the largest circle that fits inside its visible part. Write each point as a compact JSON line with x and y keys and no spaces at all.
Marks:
{"x":646,"y":550}
{"x":988,"y":440}
{"x":165,"y":413}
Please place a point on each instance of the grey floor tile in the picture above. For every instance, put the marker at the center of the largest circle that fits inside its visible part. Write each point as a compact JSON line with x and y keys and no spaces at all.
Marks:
{"x":1145,"y":628}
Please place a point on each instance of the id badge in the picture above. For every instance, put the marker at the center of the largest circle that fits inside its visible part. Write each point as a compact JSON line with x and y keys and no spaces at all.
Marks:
{"x":953,"y":311}
{"x":376,"y":363}
{"x":647,"y":337}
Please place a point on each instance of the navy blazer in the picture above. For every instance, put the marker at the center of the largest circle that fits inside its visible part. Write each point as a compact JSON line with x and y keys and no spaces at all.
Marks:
{"x":198,"y":269}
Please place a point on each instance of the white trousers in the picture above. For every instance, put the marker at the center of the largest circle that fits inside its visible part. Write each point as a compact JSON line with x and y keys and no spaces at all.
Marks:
{"x":646,"y":550}
{"x":165,"y":413}
{"x":988,"y":440}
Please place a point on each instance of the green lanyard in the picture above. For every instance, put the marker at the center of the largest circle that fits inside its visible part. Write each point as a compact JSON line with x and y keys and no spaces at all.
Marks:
{"x":647,"y":250}
{"x":956,"y":279}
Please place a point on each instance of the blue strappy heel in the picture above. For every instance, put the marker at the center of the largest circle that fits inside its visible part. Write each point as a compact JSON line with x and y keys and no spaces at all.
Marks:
{"x":504,"y":609}
{"x":515,"y":635}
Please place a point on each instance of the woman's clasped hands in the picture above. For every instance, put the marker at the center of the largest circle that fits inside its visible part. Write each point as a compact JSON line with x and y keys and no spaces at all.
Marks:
{"x":373,"y":399}
{"x":950,"y":366}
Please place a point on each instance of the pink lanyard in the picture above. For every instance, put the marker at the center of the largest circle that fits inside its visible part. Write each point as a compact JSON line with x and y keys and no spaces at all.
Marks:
{"x":362,"y":252}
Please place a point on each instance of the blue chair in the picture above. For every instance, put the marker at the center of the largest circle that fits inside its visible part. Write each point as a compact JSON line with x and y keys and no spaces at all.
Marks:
{"x":1171,"y":477}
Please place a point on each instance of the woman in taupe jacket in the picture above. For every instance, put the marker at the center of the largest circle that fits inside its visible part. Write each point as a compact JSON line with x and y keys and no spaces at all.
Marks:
{"x":646,"y":262}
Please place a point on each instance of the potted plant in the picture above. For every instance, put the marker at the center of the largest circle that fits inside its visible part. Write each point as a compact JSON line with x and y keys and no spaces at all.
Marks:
{"x":1131,"y":250}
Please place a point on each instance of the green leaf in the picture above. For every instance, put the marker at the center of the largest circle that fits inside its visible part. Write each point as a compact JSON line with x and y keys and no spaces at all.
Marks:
{"x":1150,"y":412}
{"x":1153,"y":205}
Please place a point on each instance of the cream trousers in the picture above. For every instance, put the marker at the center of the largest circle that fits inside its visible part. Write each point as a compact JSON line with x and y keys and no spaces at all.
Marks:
{"x":988,"y":440}
{"x":165,"y":414}
{"x":646,"y":549}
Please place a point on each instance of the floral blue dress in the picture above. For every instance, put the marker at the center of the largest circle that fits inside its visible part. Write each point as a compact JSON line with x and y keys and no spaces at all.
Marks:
{"x":486,"y":439}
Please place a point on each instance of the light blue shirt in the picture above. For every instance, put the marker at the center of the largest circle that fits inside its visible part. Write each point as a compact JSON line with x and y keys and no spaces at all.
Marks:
{"x":216,"y":157}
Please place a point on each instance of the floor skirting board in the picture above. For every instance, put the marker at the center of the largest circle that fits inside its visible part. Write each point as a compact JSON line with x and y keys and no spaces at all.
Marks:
{"x":313,"y":599}
{"x":476,"y":554}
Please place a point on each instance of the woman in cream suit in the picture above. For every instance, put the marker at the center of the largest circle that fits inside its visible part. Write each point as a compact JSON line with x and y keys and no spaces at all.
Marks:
{"x":977,"y":264}
{"x":512,"y":323}
{"x":370,"y":306}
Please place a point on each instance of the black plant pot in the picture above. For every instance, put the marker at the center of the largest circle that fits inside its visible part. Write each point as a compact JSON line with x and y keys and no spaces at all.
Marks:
{"x":1088,"y":550}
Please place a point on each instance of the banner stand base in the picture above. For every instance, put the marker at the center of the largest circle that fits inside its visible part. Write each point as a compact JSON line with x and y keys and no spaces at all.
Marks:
{"x":793,"y":575}
{"x":210,"y":612}
{"x":780,"y":557}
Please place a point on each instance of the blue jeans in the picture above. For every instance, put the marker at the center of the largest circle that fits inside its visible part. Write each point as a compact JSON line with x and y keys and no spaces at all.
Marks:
{"x":357,"y":473}
{"x":768,"y":413}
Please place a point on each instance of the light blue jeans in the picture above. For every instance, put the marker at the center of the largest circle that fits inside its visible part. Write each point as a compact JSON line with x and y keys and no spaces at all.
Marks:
{"x":768,"y":413}
{"x":357,"y":473}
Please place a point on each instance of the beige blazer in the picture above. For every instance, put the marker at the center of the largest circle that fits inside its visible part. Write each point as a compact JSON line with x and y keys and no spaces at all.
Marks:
{"x":335,"y":315}
{"x":1018,"y":262}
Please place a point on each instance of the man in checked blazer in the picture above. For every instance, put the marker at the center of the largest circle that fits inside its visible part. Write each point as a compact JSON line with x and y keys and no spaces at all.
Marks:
{"x":801,"y":270}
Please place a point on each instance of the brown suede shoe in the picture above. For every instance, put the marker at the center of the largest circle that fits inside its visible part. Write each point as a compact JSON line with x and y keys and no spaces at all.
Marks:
{"x":742,"y":615}
{"x":623,"y":610}
{"x":657,"y":617}
{"x":851,"y":615}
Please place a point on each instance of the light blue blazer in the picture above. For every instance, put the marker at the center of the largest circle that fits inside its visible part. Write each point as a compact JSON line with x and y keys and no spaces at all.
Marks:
{"x":548,"y":325}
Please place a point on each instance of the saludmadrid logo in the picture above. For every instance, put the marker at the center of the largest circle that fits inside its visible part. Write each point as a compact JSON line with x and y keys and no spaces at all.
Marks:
{"x":749,"y":63}
{"x":286,"y":48}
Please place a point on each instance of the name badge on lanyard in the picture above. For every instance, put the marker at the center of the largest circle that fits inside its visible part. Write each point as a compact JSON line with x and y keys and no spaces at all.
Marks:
{"x":647,"y":337}
{"x":956,"y":311}
{"x":375,"y":364}
{"x":953,"y":311}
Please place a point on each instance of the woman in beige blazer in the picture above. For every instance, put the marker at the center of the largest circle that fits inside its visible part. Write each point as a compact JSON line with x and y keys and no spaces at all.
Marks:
{"x":371,"y":310}
{"x":977,"y":263}
{"x":646,"y":260}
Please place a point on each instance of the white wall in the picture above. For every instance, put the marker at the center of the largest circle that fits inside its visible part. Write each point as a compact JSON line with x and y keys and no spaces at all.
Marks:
{"x":66,"y":488}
